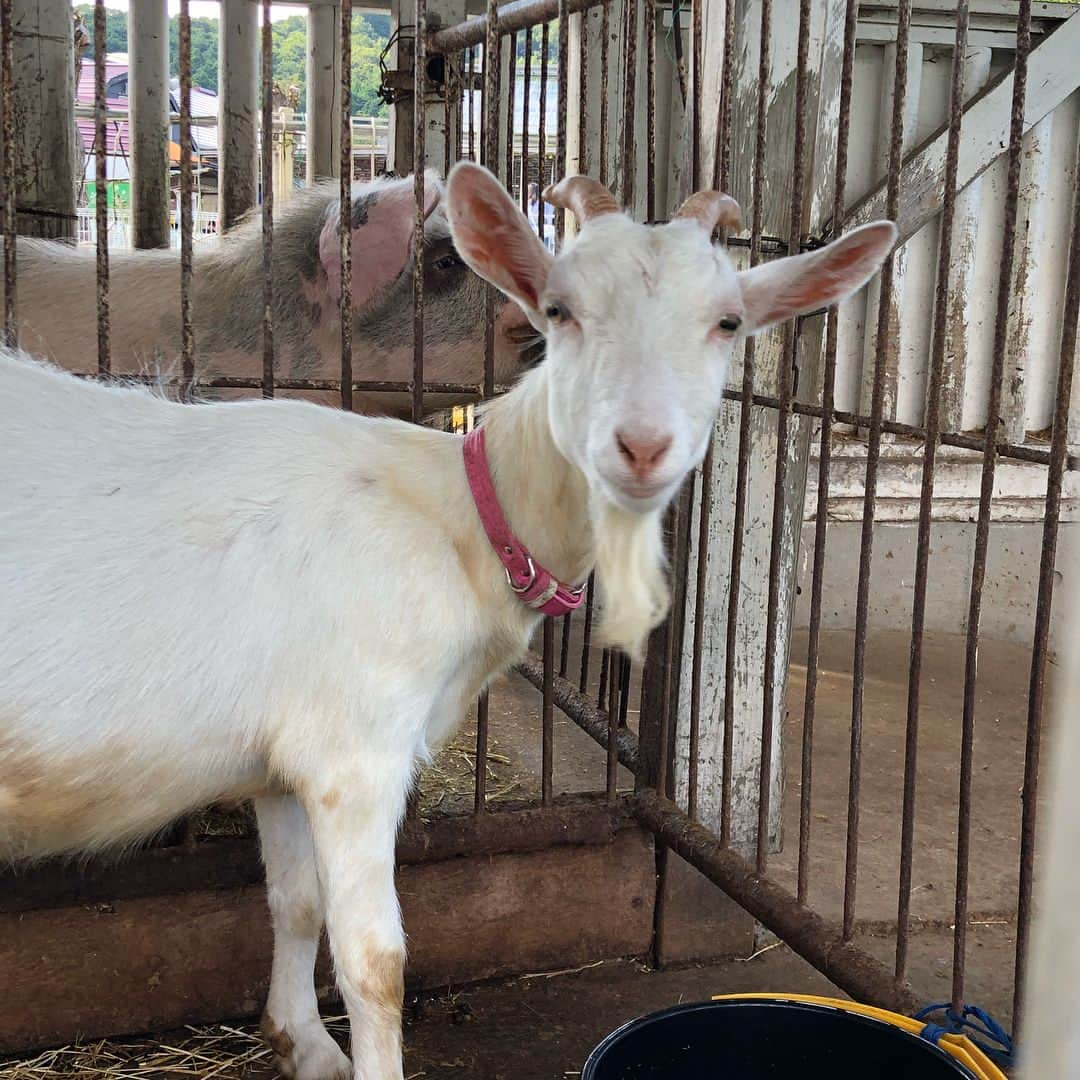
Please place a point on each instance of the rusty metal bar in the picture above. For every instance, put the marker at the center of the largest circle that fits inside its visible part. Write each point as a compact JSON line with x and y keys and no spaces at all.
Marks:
{"x":873,"y":452}
{"x":695,"y":125}
{"x":517,"y":15}
{"x":601,"y":693}
{"x":187,"y":190}
{"x":7,"y":104}
{"x":448,"y":124}
{"x":547,"y":761}
{"x":612,"y":729}
{"x":583,"y":95}
{"x":591,"y":719}
{"x":564,"y":647}
{"x":345,"y":207}
{"x":787,"y":376}
{"x":558,"y":170}
{"x":480,"y":800}
{"x":511,"y":44}
{"x":624,"y":690}
{"x":101,"y":176}
{"x":650,"y":109}
{"x":586,"y":637}
{"x":491,"y":160}
{"x":722,"y":150}
{"x":986,"y":494}
{"x":1051,"y":523}
{"x":743,"y":467}
{"x":541,"y":143}
{"x":828,"y":397}
{"x":472,"y":103}
{"x":525,"y":89}
{"x":605,"y":49}
{"x":818,"y":940}
{"x":266,"y":141}
{"x":704,"y":518}
{"x":629,"y":160}
{"x":926,"y":500}
{"x":418,"y":164}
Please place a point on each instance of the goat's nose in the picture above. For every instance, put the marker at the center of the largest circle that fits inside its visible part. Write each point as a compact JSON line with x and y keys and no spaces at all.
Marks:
{"x":643,"y":453}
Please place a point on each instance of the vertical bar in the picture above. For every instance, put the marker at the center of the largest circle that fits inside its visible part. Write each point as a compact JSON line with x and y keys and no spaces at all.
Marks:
{"x":629,"y":87}
{"x":419,"y":164}
{"x":448,"y":127}
{"x":624,"y":690}
{"x":559,"y":168}
{"x":187,"y":187}
{"x":601,"y":693}
{"x":695,"y":125}
{"x":525,"y":136}
{"x":873,"y":452}
{"x":583,"y":94}
{"x":345,"y":208}
{"x":605,"y":49}
{"x":930,"y":448}
{"x":586,"y":636}
{"x":650,"y":115}
{"x":828,"y":399}
{"x":787,"y":375}
{"x":491,"y":160}
{"x":472,"y":103}
{"x":743,"y":466}
{"x":1059,"y":438}
{"x":101,"y":183}
{"x":547,"y":748}
{"x":982,"y":528}
{"x":542,"y":135}
{"x":511,"y":44}
{"x":722,"y":150}
{"x":704,"y":518}
{"x":564,"y":648}
{"x":7,"y":103}
{"x":266,"y":144}
{"x":480,"y":803}
{"x":612,"y":728}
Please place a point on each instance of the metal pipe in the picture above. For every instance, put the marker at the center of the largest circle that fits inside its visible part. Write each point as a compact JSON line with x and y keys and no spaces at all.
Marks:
{"x":516,"y":15}
{"x":345,"y":205}
{"x":187,"y":210}
{"x":267,"y":201}
{"x":101,"y":192}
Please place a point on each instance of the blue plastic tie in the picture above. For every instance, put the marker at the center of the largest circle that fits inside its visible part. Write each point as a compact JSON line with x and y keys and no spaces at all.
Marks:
{"x":977,"y":1024}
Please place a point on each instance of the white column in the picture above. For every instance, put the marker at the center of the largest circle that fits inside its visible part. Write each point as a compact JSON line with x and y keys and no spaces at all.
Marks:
{"x":323,"y":92}
{"x":238,"y":63}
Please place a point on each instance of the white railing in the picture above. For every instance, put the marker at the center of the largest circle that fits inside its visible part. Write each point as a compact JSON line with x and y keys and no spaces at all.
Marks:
{"x":206,"y":227}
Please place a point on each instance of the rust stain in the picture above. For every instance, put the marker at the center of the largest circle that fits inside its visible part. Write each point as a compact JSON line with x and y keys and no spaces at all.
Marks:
{"x":278,"y":1039}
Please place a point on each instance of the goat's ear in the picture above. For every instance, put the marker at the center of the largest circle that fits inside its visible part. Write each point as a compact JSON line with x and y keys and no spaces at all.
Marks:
{"x":384,"y":218}
{"x":799,"y":284}
{"x":494,"y":237}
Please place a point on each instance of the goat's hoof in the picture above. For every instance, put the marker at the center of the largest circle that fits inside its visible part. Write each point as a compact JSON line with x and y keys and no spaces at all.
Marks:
{"x":308,"y":1053}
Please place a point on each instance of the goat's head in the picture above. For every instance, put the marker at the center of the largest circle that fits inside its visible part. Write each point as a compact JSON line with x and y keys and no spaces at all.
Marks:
{"x":641,"y":321}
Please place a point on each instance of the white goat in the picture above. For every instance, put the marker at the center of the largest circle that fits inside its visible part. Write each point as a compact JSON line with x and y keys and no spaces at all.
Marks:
{"x":284,"y":601}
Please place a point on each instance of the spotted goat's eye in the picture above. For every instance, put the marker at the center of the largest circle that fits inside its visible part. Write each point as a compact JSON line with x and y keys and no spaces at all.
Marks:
{"x":557,"y":313}
{"x":730,"y":323}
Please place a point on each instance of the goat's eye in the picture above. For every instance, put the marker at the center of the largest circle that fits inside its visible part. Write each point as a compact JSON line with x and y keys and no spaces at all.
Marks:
{"x":448,"y":262}
{"x":557,"y":313}
{"x":730,"y":323}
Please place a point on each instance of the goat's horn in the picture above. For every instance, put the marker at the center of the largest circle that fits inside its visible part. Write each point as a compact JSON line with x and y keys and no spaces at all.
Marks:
{"x":711,"y":209}
{"x":586,"y":197}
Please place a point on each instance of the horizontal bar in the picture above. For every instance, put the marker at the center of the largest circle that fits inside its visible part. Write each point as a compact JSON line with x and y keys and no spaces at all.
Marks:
{"x":236,"y":862}
{"x":817,"y":940}
{"x":514,"y":16}
{"x":964,"y":442}
{"x":588,"y":717}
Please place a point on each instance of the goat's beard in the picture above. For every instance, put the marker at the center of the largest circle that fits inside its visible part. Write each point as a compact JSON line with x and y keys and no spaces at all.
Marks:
{"x":632,"y":570}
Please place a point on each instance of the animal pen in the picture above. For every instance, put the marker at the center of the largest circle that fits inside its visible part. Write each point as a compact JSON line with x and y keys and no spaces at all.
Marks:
{"x":890,"y":490}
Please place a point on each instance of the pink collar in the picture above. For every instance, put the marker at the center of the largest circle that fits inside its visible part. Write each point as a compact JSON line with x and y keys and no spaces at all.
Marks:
{"x":534,"y":586}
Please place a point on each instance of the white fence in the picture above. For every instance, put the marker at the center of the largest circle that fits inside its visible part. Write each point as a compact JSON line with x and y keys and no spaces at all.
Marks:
{"x":206,"y":228}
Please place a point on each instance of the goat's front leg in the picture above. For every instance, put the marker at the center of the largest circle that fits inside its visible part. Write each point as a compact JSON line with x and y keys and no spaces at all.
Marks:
{"x":302,"y":1047}
{"x":354,"y":819}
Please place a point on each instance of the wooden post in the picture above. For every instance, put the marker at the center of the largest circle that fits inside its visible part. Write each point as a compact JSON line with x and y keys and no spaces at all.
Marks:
{"x":148,"y":97}
{"x":238,"y":54}
{"x":45,"y":159}
{"x":323,"y":92}
{"x":283,"y":141}
{"x":826,"y":44}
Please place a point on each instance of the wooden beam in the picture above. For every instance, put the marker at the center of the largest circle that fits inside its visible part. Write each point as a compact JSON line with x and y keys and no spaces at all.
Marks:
{"x":323,"y":93}
{"x":148,"y":97}
{"x":238,"y":55}
{"x":1053,"y":74}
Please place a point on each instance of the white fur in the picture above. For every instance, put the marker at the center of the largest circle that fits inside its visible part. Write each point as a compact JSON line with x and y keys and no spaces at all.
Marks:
{"x":272,"y":599}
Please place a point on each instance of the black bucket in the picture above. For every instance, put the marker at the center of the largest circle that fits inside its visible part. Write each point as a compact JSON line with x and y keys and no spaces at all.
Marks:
{"x":766,"y":1040}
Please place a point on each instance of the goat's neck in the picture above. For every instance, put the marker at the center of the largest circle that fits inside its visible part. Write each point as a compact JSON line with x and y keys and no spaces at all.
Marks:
{"x":543,"y":496}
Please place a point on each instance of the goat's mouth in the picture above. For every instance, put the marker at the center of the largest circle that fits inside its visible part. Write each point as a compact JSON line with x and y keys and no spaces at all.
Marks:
{"x":529,"y":344}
